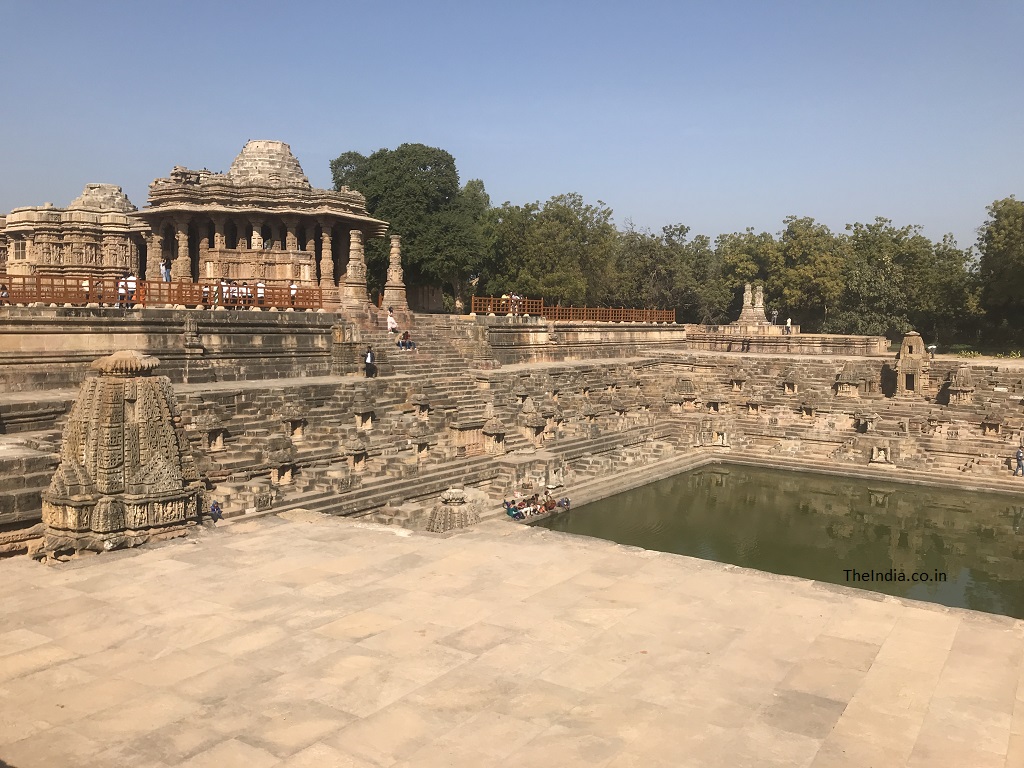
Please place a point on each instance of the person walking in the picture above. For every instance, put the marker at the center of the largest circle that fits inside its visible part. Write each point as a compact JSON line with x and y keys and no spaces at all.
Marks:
{"x":1020,"y":462}
{"x":370,"y":359}
{"x":789,"y":326}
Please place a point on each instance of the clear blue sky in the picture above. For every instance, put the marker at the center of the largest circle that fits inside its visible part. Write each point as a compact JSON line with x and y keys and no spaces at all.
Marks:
{"x":718,"y":115}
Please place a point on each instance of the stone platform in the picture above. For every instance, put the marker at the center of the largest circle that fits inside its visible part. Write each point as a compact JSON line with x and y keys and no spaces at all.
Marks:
{"x":314,"y":641}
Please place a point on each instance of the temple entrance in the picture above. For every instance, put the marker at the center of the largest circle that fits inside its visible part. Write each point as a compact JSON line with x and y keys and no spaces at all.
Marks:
{"x":910,"y":382}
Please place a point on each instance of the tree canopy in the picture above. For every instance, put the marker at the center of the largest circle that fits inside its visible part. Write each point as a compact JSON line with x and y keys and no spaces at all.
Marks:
{"x":873,"y":278}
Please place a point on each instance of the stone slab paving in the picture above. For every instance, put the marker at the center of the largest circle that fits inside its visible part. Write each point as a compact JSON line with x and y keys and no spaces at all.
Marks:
{"x":276,"y":643}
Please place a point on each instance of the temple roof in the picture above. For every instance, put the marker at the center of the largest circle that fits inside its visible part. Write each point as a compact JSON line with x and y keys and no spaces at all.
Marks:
{"x":102,"y":197}
{"x":269,"y":163}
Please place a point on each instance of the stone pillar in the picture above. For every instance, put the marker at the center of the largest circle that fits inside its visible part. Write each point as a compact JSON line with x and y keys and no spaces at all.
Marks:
{"x":257,"y":235}
{"x":311,"y":238}
{"x":394,"y":288}
{"x":354,"y":291}
{"x":181,"y":267}
{"x":326,"y":259}
{"x":291,"y":239}
{"x":219,"y":238}
{"x":243,"y":238}
{"x":154,"y":255}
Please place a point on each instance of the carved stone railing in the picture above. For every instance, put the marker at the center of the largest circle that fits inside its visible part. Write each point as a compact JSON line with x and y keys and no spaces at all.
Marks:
{"x":125,"y":293}
{"x":490,"y":305}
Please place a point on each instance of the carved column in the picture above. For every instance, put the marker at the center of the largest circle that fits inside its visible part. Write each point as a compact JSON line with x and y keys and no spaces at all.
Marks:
{"x":394,"y":288}
{"x":354,"y":292}
{"x":257,"y":235}
{"x":219,"y":238}
{"x":154,"y":255}
{"x":181,"y":267}
{"x":243,"y":236}
{"x":291,"y":239}
{"x":311,"y":237}
{"x":326,"y":259}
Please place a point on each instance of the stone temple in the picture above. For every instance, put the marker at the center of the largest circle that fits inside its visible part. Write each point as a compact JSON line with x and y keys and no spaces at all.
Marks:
{"x":124,"y":418}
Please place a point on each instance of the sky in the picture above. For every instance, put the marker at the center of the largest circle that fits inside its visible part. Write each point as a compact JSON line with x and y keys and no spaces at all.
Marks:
{"x":717,"y":115}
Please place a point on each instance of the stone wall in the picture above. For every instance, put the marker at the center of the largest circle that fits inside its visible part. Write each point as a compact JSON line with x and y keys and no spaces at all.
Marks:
{"x":51,"y":348}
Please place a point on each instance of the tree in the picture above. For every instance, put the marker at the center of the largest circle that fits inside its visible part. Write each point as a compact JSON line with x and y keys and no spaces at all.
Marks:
{"x":416,"y":189}
{"x":1001,"y":266}
{"x":812,"y":271}
{"x":562,"y":251}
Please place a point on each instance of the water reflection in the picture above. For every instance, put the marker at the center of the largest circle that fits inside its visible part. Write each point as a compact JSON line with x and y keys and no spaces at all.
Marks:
{"x":817,"y":527}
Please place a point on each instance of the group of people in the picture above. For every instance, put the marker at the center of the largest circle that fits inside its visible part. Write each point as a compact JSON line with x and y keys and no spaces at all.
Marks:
{"x":535,"y":505}
{"x":404,"y":342}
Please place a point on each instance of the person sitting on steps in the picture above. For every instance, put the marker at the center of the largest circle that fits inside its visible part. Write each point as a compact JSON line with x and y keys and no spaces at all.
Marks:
{"x":406,"y":342}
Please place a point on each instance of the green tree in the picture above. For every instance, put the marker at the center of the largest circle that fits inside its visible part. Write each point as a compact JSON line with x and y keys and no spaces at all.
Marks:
{"x":812,"y":260}
{"x":562,"y":251}
{"x":416,"y":189}
{"x":1001,"y":267}
{"x":703,"y":293}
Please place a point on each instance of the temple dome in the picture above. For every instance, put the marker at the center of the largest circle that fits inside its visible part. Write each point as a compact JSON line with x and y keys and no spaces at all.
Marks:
{"x":267,"y":163}
{"x":102,"y":197}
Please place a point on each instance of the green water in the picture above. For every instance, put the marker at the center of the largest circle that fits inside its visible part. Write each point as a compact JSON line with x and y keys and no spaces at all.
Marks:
{"x":819,"y":527}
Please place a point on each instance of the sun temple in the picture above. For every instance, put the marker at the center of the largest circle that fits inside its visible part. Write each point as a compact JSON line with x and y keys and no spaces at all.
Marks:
{"x":268,"y":409}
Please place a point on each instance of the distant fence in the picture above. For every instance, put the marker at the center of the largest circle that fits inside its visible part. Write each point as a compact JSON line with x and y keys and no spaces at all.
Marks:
{"x":84,"y":291}
{"x":486,"y":305}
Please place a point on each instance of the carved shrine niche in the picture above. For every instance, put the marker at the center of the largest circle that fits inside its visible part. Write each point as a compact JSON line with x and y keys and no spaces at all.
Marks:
{"x":127,"y":472}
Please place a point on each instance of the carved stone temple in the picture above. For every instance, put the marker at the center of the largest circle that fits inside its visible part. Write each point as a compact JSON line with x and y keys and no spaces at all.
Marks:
{"x":262,"y":220}
{"x":95,"y":236}
{"x":126,"y":469}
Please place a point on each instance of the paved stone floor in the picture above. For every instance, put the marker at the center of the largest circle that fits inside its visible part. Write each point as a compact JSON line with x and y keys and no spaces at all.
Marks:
{"x":323,"y":642}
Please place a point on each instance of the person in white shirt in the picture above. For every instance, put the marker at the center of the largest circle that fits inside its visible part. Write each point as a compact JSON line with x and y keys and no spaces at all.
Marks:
{"x":392,"y":323}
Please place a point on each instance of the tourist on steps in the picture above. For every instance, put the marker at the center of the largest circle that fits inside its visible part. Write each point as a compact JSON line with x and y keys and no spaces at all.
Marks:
{"x":392,"y":323}
{"x":1020,"y":462}
{"x":370,"y":359}
{"x":406,"y":342}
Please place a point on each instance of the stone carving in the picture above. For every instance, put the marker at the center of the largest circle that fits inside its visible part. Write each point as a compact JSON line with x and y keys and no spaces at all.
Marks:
{"x":260,"y":220}
{"x":960,"y":386}
{"x":753,"y":307}
{"x":912,"y":365}
{"x":453,"y":512}
{"x":95,"y":236}
{"x":394,"y":288}
{"x":127,"y":471}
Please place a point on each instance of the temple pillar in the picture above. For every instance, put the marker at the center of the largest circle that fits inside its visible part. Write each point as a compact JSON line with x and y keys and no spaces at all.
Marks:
{"x":311,"y":238}
{"x":354,"y":291}
{"x":394,"y":288}
{"x":291,"y":239}
{"x":181,"y":267}
{"x":219,"y":238}
{"x":154,"y":255}
{"x":326,"y":259}
{"x":257,"y":235}
{"x":243,"y":237}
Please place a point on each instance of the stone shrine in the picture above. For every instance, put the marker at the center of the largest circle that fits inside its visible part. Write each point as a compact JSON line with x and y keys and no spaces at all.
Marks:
{"x":262,"y":220}
{"x":126,"y":470}
{"x":753,"y":307}
{"x":95,"y":236}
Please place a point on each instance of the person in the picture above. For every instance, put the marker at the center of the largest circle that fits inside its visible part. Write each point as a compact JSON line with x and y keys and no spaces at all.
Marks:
{"x":5,"y":295}
{"x":406,"y":342}
{"x":131,"y":283}
{"x":789,"y":326}
{"x":165,"y":271}
{"x":775,"y":316}
{"x":216,"y":513}
{"x":122,"y":291}
{"x":1020,"y":462}
{"x":370,"y":359}
{"x":392,"y":322}
{"x":261,"y":292}
{"x":293,"y":291}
